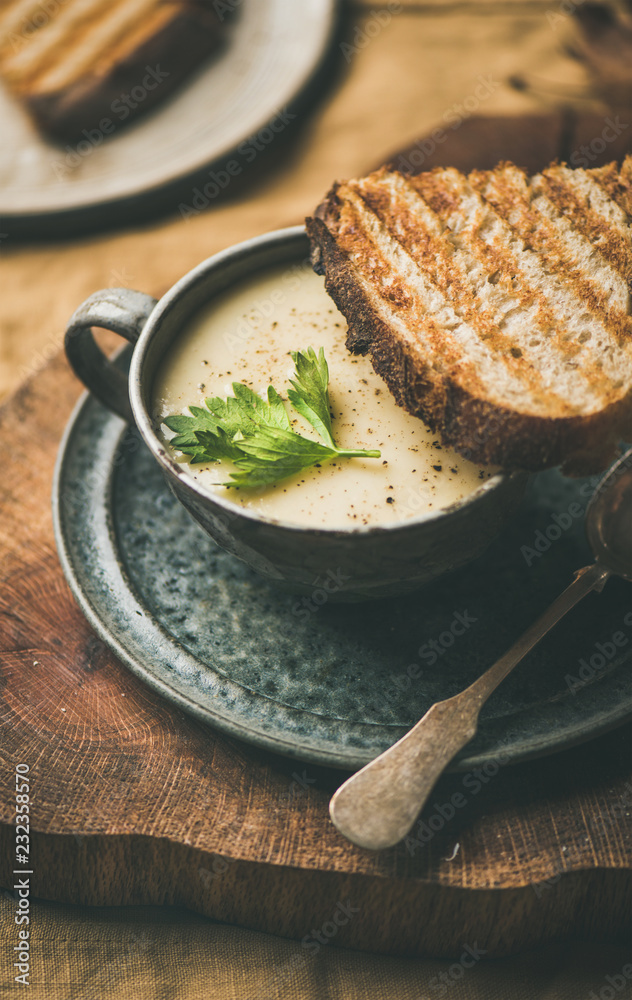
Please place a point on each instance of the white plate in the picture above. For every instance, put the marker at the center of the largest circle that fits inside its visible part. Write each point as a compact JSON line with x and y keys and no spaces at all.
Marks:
{"x":274,"y":49}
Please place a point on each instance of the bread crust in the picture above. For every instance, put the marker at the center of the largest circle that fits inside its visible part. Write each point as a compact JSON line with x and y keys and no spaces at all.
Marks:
{"x":478,"y":429}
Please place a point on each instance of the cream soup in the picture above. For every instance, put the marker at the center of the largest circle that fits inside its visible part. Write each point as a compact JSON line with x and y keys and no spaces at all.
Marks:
{"x":247,"y":335}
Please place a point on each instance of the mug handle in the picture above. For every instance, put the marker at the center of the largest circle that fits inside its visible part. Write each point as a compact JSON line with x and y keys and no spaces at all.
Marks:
{"x":119,"y":309}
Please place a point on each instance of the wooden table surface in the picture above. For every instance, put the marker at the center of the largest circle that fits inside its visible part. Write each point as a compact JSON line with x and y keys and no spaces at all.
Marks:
{"x":134,"y":802}
{"x":131,"y":801}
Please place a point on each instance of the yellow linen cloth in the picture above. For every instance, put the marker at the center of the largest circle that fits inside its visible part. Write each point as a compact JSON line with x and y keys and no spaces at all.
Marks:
{"x":163,"y":953}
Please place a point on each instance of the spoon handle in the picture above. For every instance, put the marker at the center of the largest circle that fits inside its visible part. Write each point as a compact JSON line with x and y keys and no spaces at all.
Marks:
{"x":376,"y":807}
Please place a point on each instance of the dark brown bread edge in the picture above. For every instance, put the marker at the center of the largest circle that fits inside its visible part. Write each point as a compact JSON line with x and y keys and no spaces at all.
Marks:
{"x":178,"y":49}
{"x":477,"y":429}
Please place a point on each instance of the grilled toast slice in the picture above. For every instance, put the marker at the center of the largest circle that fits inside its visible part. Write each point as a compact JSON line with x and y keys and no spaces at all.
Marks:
{"x":495,"y":305}
{"x":73,"y":63}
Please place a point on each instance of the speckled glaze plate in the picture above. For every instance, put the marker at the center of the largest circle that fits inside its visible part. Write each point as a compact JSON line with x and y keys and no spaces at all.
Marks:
{"x":335,"y":684}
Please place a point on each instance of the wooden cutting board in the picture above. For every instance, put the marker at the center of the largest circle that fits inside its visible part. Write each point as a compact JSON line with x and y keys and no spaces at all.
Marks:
{"x":133,"y":802}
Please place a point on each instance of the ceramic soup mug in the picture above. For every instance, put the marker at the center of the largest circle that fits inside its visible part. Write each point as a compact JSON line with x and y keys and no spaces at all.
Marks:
{"x":370,"y":561}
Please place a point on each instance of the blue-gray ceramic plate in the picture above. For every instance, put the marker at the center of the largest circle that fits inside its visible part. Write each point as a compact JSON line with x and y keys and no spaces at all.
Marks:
{"x":335,"y":684}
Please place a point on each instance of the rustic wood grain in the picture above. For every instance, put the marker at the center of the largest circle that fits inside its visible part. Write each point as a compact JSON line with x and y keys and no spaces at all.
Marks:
{"x":530,"y":141}
{"x":133,"y":802}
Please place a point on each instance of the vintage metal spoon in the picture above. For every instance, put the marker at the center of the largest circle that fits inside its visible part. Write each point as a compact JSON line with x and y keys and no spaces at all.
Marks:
{"x":378,"y":805}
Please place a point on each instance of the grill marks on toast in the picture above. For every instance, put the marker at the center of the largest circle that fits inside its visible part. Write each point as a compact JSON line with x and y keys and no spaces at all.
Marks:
{"x":617,"y":184}
{"x":602,"y":220}
{"x":455,"y":256}
{"x":407,"y":299}
{"x":458,"y":277}
{"x":562,"y":248}
{"x":70,"y":62}
{"x":591,"y":299}
{"x":565,"y":339}
{"x":35,"y":65}
{"x":496,"y":306}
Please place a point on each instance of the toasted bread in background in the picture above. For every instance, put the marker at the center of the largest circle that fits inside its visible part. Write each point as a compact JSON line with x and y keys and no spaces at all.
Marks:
{"x":73,"y":63}
{"x":495,"y":305}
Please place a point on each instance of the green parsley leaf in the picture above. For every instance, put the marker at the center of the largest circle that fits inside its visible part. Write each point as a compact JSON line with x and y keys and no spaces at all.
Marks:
{"x":268,"y":444}
{"x":215,"y":447}
{"x":310,"y":395}
{"x":186,"y":427}
{"x":273,"y":453}
{"x":256,"y":435}
{"x":238,"y":412}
